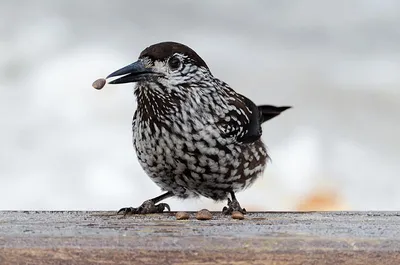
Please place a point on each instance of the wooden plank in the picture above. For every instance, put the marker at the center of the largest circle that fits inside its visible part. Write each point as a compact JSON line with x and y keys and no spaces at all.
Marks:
{"x":261,"y":238}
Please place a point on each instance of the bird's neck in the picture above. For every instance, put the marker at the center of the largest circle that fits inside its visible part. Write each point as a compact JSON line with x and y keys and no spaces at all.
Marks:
{"x":154,"y":103}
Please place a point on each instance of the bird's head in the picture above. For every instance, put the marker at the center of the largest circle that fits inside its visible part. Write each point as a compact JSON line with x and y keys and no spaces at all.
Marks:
{"x":169,"y":63}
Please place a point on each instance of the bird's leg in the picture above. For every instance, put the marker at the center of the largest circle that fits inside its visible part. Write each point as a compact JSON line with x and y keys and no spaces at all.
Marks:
{"x":233,"y":205}
{"x":149,"y":206}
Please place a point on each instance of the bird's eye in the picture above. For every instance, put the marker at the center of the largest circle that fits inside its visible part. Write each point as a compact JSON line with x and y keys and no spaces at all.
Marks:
{"x":174,"y":63}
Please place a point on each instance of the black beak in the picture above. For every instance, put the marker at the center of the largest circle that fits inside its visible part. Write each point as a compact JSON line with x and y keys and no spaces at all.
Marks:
{"x":133,"y":73}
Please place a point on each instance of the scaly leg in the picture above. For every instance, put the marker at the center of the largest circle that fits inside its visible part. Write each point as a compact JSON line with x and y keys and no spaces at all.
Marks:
{"x":233,"y":205}
{"x":149,"y":206}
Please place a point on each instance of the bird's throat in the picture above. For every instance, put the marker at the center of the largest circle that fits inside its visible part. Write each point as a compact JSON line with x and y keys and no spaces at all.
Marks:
{"x":153,"y":103}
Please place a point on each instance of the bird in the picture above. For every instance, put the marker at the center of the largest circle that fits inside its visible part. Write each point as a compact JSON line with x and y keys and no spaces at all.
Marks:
{"x":193,"y":134}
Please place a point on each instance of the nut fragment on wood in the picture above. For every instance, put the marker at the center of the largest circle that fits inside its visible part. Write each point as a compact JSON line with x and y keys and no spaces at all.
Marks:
{"x":203,"y":215}
{"x":99,"y":83}
{"x":237,"y":215}
{"x":182,"y":216}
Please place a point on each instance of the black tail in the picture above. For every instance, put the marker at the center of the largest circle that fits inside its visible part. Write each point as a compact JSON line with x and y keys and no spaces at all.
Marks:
{"x":268,"y":111}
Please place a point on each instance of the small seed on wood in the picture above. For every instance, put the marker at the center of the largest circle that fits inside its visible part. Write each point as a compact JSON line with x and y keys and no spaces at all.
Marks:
{"x":203,"y":215}
{"x":99,"y":83}
{"x":237,"y":215}
{"x":182,"y":216}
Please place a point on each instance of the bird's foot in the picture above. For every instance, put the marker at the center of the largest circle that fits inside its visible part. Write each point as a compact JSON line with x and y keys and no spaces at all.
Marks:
{"x":233,"y":205}
{"x":147,"y":207}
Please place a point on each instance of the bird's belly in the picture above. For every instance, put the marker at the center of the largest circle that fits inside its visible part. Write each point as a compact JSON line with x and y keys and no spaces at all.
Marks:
{"x":190,"y":167}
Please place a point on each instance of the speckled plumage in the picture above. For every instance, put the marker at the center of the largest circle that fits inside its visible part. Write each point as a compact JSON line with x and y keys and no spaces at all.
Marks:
{"x":193,"y":134}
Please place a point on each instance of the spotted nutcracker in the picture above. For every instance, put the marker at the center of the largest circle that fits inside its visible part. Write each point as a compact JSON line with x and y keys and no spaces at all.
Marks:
{"x":193,"y":134}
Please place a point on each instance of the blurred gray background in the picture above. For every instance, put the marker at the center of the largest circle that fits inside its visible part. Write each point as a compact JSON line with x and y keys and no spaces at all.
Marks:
{"x":65,"y":145}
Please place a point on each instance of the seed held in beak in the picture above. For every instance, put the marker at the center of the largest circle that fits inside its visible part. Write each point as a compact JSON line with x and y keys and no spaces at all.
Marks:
{"x":99,"y":83}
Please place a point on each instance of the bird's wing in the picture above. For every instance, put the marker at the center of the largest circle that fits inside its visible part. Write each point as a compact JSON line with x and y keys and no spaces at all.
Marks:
{"x":245,"y":118}
{"x":243,"y":121}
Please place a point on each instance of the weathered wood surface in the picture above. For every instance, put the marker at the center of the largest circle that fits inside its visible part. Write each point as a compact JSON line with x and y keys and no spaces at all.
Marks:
{"x":261,"y":238}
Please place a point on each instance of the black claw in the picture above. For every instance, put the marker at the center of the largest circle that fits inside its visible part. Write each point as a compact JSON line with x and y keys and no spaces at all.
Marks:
{"x":128,"y":210}
{"x":163,"y":206}
{"x":124,"y":210}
